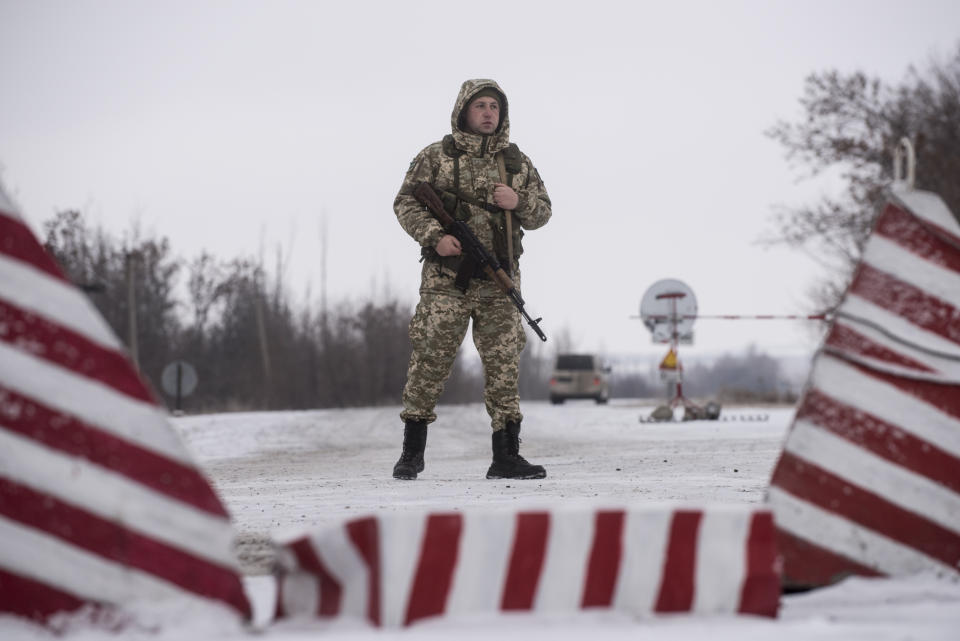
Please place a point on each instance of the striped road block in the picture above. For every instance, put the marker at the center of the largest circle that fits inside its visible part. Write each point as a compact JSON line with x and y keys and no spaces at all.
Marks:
{"x":869,"y":479}
{"x":99,"y":501}
{"x":396,"y":568}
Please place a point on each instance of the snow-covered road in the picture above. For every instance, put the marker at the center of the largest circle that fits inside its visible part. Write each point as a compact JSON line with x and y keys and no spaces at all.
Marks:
{"x":286,"y":471}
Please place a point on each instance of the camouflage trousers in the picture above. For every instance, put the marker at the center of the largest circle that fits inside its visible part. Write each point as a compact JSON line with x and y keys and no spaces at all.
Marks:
{"x":437,"y":330}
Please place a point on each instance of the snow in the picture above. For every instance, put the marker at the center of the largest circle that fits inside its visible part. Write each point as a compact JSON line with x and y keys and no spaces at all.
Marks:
{"x":283,"y":472}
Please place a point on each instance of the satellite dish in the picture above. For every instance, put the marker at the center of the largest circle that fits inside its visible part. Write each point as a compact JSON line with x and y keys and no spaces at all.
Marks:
{"x":668,"y":309}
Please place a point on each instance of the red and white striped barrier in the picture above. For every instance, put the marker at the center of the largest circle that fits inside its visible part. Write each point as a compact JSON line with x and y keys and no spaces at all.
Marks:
{"x":395,"y":569}
{"x":100,"y":502}
{"x":869,"y":480}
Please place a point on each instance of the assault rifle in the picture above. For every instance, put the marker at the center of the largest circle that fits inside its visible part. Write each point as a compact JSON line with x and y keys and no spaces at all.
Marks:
{"x":471,"y":245}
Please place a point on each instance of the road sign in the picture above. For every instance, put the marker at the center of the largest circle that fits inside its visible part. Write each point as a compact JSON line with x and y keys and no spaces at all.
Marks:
{"x":179,"y":379}
{"x":668,"y":309}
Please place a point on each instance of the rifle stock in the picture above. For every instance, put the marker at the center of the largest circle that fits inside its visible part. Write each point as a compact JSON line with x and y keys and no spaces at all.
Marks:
{"x":426,"y":194}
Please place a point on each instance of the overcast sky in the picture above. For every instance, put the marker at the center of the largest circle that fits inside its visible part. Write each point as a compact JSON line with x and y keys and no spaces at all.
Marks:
{"x":232,"y":126}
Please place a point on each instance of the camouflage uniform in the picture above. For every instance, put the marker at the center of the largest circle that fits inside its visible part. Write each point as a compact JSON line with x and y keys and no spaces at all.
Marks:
{"x":443,"y":313}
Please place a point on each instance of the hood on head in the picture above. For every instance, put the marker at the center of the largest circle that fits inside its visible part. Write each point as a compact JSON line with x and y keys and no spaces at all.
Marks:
{"x":468,"y":90}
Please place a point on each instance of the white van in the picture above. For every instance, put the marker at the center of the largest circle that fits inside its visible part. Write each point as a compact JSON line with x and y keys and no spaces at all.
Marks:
{"x":579,"y":376}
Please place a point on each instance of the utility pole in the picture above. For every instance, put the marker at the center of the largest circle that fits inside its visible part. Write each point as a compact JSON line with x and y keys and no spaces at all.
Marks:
{"x":262,"y":335}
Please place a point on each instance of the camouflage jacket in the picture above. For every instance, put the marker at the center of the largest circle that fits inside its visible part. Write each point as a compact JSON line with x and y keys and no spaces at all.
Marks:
{"x":478,"y":173}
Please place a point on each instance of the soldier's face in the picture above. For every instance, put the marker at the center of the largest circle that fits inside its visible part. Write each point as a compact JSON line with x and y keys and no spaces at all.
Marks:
{"x":483,"y":115}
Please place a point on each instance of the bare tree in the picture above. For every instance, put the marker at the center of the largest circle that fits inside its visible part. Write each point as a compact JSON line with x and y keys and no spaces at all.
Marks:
{"x":205,"y":285}
{"x":852,"y":123}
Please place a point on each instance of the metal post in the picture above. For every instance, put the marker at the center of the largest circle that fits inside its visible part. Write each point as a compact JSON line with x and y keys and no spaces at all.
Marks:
{"x":130,"y":267}
{"x":179,"y":384}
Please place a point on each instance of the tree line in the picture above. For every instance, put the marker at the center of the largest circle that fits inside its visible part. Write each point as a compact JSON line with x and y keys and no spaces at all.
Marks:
{"x":251,"y":346}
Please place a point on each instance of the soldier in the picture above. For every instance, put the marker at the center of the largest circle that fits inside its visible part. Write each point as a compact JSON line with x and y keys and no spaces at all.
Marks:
{"x":487,"y":182}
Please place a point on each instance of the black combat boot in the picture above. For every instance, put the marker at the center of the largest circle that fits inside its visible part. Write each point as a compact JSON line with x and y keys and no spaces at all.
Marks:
{"x":507,"y":462}
{"x":411,"y":459}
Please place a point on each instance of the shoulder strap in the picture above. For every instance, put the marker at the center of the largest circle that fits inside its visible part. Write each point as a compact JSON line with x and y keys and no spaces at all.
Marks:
{"x":512,"y":158}
{"x":450,"y":149}
{"x":507,"y":179}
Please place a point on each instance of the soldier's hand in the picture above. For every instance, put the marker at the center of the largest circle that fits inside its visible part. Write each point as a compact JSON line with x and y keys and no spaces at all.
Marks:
{"x":448,"y":246}
{"x":504,"y":197}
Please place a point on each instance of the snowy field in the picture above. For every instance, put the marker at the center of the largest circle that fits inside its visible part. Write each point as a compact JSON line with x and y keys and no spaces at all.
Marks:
{"x":284,"y":472}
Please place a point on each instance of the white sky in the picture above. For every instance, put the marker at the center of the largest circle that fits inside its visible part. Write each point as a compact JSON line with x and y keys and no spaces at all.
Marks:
{"x":233,"y":126}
